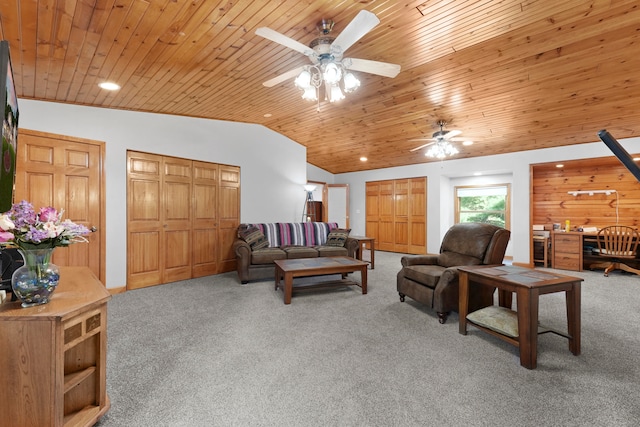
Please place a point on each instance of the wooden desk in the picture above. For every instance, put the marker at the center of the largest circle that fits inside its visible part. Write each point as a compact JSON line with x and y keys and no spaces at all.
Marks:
{"x":568,"y":251}
{"x":528,"y":285}
{"x":364,"y":241}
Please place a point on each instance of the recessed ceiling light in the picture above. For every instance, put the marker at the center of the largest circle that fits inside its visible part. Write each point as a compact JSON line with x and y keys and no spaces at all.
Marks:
{"x":109,"y":86}
{"x":635,"y":159}
{"x":268,"y":115}
{"x":560,"y":165}
{"x":363,"y":159}
{"x":467,"y":143}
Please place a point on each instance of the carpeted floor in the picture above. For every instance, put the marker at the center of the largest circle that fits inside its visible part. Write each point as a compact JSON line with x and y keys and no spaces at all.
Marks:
{"x":212,"y":352}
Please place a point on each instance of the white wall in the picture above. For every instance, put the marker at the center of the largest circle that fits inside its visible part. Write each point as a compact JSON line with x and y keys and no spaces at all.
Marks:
{"x":443,"y":176}
{"x":273,"y":167}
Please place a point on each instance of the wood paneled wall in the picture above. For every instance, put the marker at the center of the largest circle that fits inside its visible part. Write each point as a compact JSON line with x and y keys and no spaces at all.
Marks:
{"x":551,"y":202}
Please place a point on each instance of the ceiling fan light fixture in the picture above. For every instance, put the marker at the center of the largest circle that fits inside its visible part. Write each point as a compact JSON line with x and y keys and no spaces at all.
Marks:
{"x":310,"y":94}
{"x":303,"y":81}
{"x":441,"y":150}
{"x":351,"y":83}
{"x":335,"y":94}
{"x":332,"y":73}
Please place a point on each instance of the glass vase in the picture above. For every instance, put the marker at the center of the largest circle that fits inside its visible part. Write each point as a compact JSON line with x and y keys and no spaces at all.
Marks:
{"x":35,"y":281}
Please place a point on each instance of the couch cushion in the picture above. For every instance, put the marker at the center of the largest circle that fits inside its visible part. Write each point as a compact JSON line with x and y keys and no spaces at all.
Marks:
{"x":428,"y":275}
{"x":451,"y":259}
{"x":267,"y":255}
{"x":296,"y":233}
{"x":253,"y":236}
{"x":294,"y":252}
{"x":332,"y":251}
{"x":338,"y":237}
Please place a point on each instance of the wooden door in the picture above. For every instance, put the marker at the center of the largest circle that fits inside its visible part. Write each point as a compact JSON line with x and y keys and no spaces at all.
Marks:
{"x":205,"y":219}
{"x":417,"y":216}
{"x":401,"y":215}
{"x":66,"y":173}
{"x":229,"y":216}
{"x":396,"y":214}
{"x":159,"y":219}
{"x":144,"y":220}
{"x":338,"y":204}
{"x":386,"y":208}
{"x":175,"y":217}
{"x":372,"y":213}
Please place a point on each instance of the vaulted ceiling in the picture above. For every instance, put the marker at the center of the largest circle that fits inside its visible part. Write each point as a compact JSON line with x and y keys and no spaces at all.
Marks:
{"x":511,"y":75}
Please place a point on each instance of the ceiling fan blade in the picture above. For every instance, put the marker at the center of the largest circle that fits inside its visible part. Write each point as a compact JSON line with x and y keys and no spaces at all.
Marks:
{"x":422,"y":146}
{"x":452,"y":133}
{"x":275,"y":36}
{"x":282,"y":77}
{"x":355,"y":30}
{"x":373,"y":67}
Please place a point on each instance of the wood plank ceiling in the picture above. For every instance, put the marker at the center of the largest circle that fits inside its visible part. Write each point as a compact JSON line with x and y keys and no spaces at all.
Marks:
{"x":512,"y":75}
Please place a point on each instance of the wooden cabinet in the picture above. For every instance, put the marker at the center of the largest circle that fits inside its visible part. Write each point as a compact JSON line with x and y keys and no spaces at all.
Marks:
{"x":53,"y":356}
{"x":567,"y":250}
{"x":314,"y":211}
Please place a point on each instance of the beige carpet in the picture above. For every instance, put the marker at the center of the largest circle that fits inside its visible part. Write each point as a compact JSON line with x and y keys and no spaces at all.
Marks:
{"x":212,"y":352}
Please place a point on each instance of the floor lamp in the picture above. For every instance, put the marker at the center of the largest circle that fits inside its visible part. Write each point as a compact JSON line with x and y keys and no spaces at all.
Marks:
{"x":306,"y":217}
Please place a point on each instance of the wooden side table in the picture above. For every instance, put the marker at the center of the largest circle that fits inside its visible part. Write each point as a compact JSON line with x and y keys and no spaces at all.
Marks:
{"x":528,"y":284}
{"x":363,"y":243}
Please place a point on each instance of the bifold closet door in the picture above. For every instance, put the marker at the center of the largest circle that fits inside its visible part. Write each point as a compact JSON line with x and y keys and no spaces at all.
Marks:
{"x":159,"y":219}
{"x":396,"y":214}
{"x":229,"y":216}
{"x":417,"y":235}
{"x":183,"y":217}
{"x":205,"y":218}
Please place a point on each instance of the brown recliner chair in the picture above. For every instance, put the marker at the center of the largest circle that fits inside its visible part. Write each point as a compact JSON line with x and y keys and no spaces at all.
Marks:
{"x":433,"y":279}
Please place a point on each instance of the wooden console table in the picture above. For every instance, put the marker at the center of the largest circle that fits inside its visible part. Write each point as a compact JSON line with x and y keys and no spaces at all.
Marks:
{"x":53,"y":356}
{"x":528,"y":285}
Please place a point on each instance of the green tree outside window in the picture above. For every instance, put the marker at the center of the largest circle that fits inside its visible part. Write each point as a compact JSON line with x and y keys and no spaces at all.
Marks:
{"x":483,"y":204}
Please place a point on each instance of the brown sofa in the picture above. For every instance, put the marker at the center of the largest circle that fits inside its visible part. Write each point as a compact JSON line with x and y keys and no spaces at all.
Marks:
{"x":256,"y":250}
{"x":433,"y":279}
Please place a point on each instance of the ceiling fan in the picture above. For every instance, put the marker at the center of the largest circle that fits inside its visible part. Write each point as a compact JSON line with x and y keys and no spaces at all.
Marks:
{"x":329,"y":66}
{"x":440,"y":137}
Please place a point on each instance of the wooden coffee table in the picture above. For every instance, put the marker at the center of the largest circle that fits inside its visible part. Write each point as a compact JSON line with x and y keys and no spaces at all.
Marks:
{"x":287,"y":269}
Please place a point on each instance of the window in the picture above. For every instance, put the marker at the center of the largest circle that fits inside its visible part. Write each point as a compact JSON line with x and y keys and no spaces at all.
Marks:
{"x":488,"y":204}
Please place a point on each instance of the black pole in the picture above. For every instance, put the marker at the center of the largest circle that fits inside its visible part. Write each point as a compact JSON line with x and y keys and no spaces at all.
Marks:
{"x":620,"y":153}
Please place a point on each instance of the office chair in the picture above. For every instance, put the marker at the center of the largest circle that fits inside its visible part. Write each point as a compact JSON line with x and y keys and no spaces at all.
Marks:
{"x":619,"y":243}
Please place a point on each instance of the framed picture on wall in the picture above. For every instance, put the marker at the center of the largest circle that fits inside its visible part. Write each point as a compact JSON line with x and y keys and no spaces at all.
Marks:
{"x":9,"y":128}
